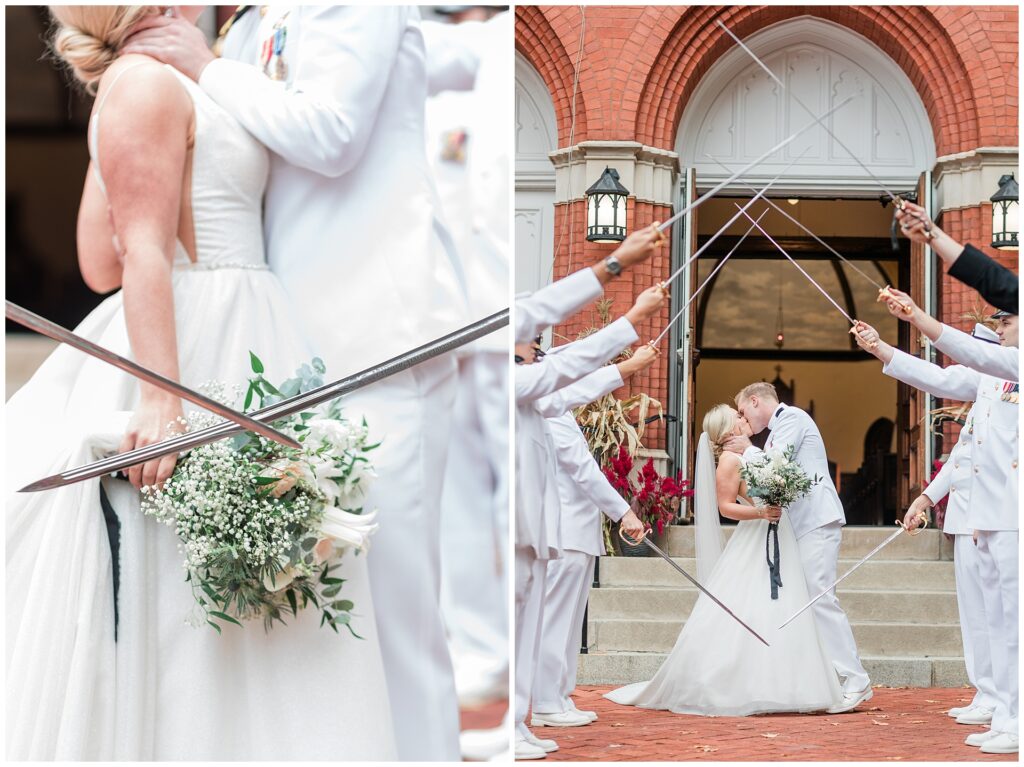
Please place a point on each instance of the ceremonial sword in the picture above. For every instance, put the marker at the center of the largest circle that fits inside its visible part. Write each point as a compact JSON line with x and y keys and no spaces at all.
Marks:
{"x":287,"y":407}
{"x":902,"y":528}
{"x":664,"y":227}
{"x":898,"y":201}
{"x":651,"y":545}
{"x":33,"y":321}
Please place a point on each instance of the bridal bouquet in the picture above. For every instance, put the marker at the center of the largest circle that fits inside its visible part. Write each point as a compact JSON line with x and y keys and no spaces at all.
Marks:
{"x":776,"y":479}
{"x":261,"y":525}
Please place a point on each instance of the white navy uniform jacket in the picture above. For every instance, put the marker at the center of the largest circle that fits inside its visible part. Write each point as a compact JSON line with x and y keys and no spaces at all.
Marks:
{"x":991,"y":359}
{"x":954,"y":480}
{"x":583,"y":490}
{"x":537,"y":502}
{"x":821,"y":506}
{"x":351,"y":216}
{"x":555,"y":302}
{"x":992,"y":429}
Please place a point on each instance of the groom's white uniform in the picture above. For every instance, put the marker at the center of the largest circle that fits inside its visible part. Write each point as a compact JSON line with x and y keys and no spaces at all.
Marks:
{"x":818,"y":521}
{"x":353,"y":232}
{"x":583,"y":493}
{"x":992,"y":507}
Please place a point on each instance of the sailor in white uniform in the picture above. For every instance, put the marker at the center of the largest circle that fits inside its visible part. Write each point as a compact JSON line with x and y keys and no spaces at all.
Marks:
{"x":584,"y":494}
{"x":468,"y":71}
{"x":992,"y":507}
{"x":954,"y":481}
{"x":354,"y":233}
{"x":537,"y":503}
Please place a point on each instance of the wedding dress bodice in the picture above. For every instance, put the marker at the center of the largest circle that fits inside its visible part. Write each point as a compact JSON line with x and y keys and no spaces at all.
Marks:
{"x":228,"y":178}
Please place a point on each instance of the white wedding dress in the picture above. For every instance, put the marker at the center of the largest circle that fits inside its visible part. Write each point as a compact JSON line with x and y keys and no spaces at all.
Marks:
{"x":717,"y":668}
{"x":163,"y":689}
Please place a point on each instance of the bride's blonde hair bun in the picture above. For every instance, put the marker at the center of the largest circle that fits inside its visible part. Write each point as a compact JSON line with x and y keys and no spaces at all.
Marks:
{"x":719,"y":423}
{"x":88,"y":38}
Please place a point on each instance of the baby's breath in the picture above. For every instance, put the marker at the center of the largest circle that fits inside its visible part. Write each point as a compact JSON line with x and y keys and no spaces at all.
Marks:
{"x":260,"y":525}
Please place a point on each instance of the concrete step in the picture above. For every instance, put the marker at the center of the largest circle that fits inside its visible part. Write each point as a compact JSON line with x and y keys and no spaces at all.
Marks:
{"x":905,"y":575}
{"x":891,"y":671}
{"x":930,"y":544}
{"x":637,"y":603}
{"x":873,"y":638}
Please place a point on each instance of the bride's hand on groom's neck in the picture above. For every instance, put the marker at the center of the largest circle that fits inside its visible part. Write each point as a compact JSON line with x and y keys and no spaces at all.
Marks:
{"x":737,"y":444}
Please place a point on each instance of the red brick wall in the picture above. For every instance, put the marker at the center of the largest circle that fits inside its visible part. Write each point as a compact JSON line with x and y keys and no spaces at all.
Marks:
{"x":641,"y":64}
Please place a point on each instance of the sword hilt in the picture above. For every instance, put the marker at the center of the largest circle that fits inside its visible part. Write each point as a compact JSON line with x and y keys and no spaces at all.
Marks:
{"x":916,"y":530}
{"x":624,"y":536}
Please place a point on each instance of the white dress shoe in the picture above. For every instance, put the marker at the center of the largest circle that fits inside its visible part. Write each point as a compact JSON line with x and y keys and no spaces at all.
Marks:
{"x":851,"y":700}
{"x":526,"y":750}
{"x":953,"y":713}
{"x":482,"y":745}
{"x":591,"y":715}
{"x":1002,"y":743}
{"x":975,"y":715}
{"x":562,"y":719}
{"x":976,"y":739}
{"x":544,"y":744}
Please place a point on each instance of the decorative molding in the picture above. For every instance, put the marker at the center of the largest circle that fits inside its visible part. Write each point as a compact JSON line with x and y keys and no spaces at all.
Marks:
{"x":647,"y":172}
{"x":969,"y":179}
{"x":536,"y":132}
{"x":737,"y":112}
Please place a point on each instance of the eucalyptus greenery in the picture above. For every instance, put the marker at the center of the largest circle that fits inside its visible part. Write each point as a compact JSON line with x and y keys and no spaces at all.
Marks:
{"x":776,"y":479}
{"x":261,"y":525}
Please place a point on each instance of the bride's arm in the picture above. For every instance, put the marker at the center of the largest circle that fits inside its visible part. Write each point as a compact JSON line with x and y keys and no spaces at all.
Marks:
{"x":142,"y":150}
{"x":727,"y":487}
{"x":98,"y":260}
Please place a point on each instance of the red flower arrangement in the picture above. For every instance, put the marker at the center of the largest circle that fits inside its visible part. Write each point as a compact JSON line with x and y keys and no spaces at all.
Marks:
{"x":654,"y":498}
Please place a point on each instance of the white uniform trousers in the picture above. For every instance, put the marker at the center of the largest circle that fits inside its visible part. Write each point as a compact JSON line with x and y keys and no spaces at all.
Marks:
{"x":819,"y":553}
{"x":474,"y":519}
{"x":565,"y":603}
{"x":970,"y":599}
{"x":530,"y":582}
{"x":998,"y":557}
{"x":409,"y":413}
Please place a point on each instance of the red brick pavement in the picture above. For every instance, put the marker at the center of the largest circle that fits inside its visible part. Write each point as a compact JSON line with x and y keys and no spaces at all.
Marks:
{"x":895,"y":725}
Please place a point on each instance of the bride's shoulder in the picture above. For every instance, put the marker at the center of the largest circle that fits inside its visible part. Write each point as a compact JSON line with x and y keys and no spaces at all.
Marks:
{"x":729,"y":462}
{"x":136,"y":87}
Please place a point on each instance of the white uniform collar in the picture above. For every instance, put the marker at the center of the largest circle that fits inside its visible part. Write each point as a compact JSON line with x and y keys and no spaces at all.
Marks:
{"x":775,"y":415}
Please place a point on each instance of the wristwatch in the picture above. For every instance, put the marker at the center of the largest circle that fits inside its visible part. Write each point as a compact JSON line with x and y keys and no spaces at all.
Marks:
{"x":613,"y":265}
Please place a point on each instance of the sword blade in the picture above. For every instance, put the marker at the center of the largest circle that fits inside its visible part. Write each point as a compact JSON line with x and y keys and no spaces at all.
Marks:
{"x":287,"y":407}
{"x":703,"y":590}
{"x":871,"y":553}
{"x":664,"y":227}
{"x":807,"y":109}
{"x":41,"y":325}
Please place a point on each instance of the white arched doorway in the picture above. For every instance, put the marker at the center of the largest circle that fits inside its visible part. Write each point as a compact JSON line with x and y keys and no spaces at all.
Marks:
{"x":736,"y":113}
{"x":536,"y":135}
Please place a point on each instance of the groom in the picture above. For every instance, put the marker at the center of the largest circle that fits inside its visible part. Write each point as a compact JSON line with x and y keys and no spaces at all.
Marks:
{"x":817,"y":521}
{"x":353,"y":232}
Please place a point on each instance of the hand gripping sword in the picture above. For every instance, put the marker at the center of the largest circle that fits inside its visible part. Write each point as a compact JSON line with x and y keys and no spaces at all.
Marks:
{"x":651,"y":545}
{"x":287,"y":407}
{"x":902,"y":529}
{"x":33,"y":321}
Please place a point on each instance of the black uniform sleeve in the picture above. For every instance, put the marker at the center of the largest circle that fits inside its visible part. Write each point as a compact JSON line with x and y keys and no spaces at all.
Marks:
{"x":997,"y":284}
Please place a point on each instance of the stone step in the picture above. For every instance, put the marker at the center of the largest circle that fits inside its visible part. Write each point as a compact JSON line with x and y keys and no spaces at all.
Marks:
{"x":930,"y":544}
{"x":904,"y":575}
{"x":873,"y":638}
{"x":609,"y":603}
{"x":620,"y":668}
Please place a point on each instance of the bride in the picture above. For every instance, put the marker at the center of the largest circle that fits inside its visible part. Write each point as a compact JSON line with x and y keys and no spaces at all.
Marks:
{"x":101,"y":663}
{"x":716,"y":667}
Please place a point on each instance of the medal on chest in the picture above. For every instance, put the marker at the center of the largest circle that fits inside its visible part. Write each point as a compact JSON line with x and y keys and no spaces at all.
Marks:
{"x":453,"y":146}
{"x":272,"y":59}
{"x":1011,"y":391}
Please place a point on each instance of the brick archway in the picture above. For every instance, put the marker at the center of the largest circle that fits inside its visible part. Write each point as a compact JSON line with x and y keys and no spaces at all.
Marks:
{"x":911,"y":35}
{"x":542,"y":47}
